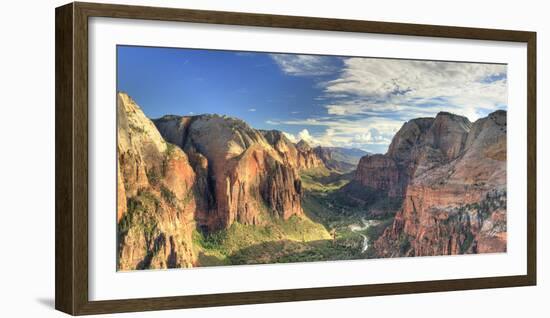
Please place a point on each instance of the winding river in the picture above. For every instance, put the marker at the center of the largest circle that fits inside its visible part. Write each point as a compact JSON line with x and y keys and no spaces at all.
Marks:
{"x":357,"y":227}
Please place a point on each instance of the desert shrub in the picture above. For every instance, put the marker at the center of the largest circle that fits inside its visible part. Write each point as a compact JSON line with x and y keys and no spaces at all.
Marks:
{"x":404,"y":244}
{"x":152,"y":176}
{"x":170,"y":148}
{"x":168,"y":195}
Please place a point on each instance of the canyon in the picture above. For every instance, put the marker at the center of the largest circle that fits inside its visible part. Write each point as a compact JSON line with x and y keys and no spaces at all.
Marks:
{"x":451,"y":176}
{"x":209,"y":190}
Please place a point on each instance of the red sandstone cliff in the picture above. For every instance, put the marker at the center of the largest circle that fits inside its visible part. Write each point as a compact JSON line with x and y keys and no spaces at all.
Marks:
{"x":300,"y":155}
{"x":180,"y":173}
{"x":241,"y":176}
{"x":155,"y":203}
{"x":455,"y":199}
{"x":307,"y":158}
{"x":379,"y":172}
{"x":447,"y":176}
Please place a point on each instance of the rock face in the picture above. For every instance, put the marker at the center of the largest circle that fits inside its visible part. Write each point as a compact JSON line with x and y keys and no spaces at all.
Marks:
{"x":300,"y":155}
{"x":443,"y":180}
{"x":307,"y":158}
{"x":155,"y":205}
{"x":454,"y":194}
{"x":181,"y":174}
{"x":240,"y":174}
{"x":379,"y":172}
{"x":420,"y":145}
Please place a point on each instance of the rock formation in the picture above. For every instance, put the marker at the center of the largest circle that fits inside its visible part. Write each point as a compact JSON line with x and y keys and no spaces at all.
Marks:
{"x":180,"y":174}
{"x":379,"y":172}
{"x":420,"y":145}
{"x":307,"y":158}
{"x":241,"y":175}
{"x":300,"y":155}
{"x":443,"y":180}
{"x":155,"y":205}
{"x":454,"y":189}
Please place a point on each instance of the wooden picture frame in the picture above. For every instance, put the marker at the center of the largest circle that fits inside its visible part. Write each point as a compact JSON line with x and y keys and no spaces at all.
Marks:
{"x":71,"y":122}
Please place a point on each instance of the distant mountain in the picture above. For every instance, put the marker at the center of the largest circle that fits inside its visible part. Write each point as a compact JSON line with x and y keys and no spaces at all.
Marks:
{"x":299,"y":155}
{"x":211,"y":190}
{"x":180,"y":174}
{"x":340,"y":159}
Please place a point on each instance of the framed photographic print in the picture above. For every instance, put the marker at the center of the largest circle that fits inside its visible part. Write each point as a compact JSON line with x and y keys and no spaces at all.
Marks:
{"x":218,"y":158}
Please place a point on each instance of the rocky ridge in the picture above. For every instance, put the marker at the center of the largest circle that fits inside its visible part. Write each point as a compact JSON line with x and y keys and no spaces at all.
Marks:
{"x":300,"y":155}
{"x":178,"y":175}
{"x":155,"y":205}
{"x":243,"y":176}
{"x":443,"y":180}
{"x":452,"y":180}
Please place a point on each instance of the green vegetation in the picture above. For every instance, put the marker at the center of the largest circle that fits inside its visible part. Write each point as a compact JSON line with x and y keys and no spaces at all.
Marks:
{"x":404,"y":244}
{"x":153,"y":176}
{"x":467,"y":242}
{"x":230,"y":246}
{"x":323,"y":180}
{"x":375,"y":231}
{"x":329,"y":230}
{"x":318,"y":202}
{"x":290,"y":251}
{"x":338,"y":210}
{"x":339,"y":203}
{"x":373,"y":203}
{"x":139,"y":211}
{"x":209,"y":251}
{"x":168,"y":195}
{"x":139,"y":217}
{"x":320,"y":208}
{"x":170,"y":148}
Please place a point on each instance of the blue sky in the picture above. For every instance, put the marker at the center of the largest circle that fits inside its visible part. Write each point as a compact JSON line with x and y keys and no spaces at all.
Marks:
{"x":326,"y":100}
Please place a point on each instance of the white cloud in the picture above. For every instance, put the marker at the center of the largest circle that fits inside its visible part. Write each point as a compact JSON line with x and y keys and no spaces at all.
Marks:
{"x":408,"y":87}
{"x":302,"y":135}
{"x":359,"y":125}
{"x":303,"y":65}
{"x":340,"y":132}
{"x":290,"y":137}
{"x":307,"y":137}
{"x":372,"y":136}
{"x":369,"y":99}
{"x":252,"y":109}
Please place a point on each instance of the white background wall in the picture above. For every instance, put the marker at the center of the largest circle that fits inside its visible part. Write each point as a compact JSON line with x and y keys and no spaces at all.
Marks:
{"x":27,"y":158}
